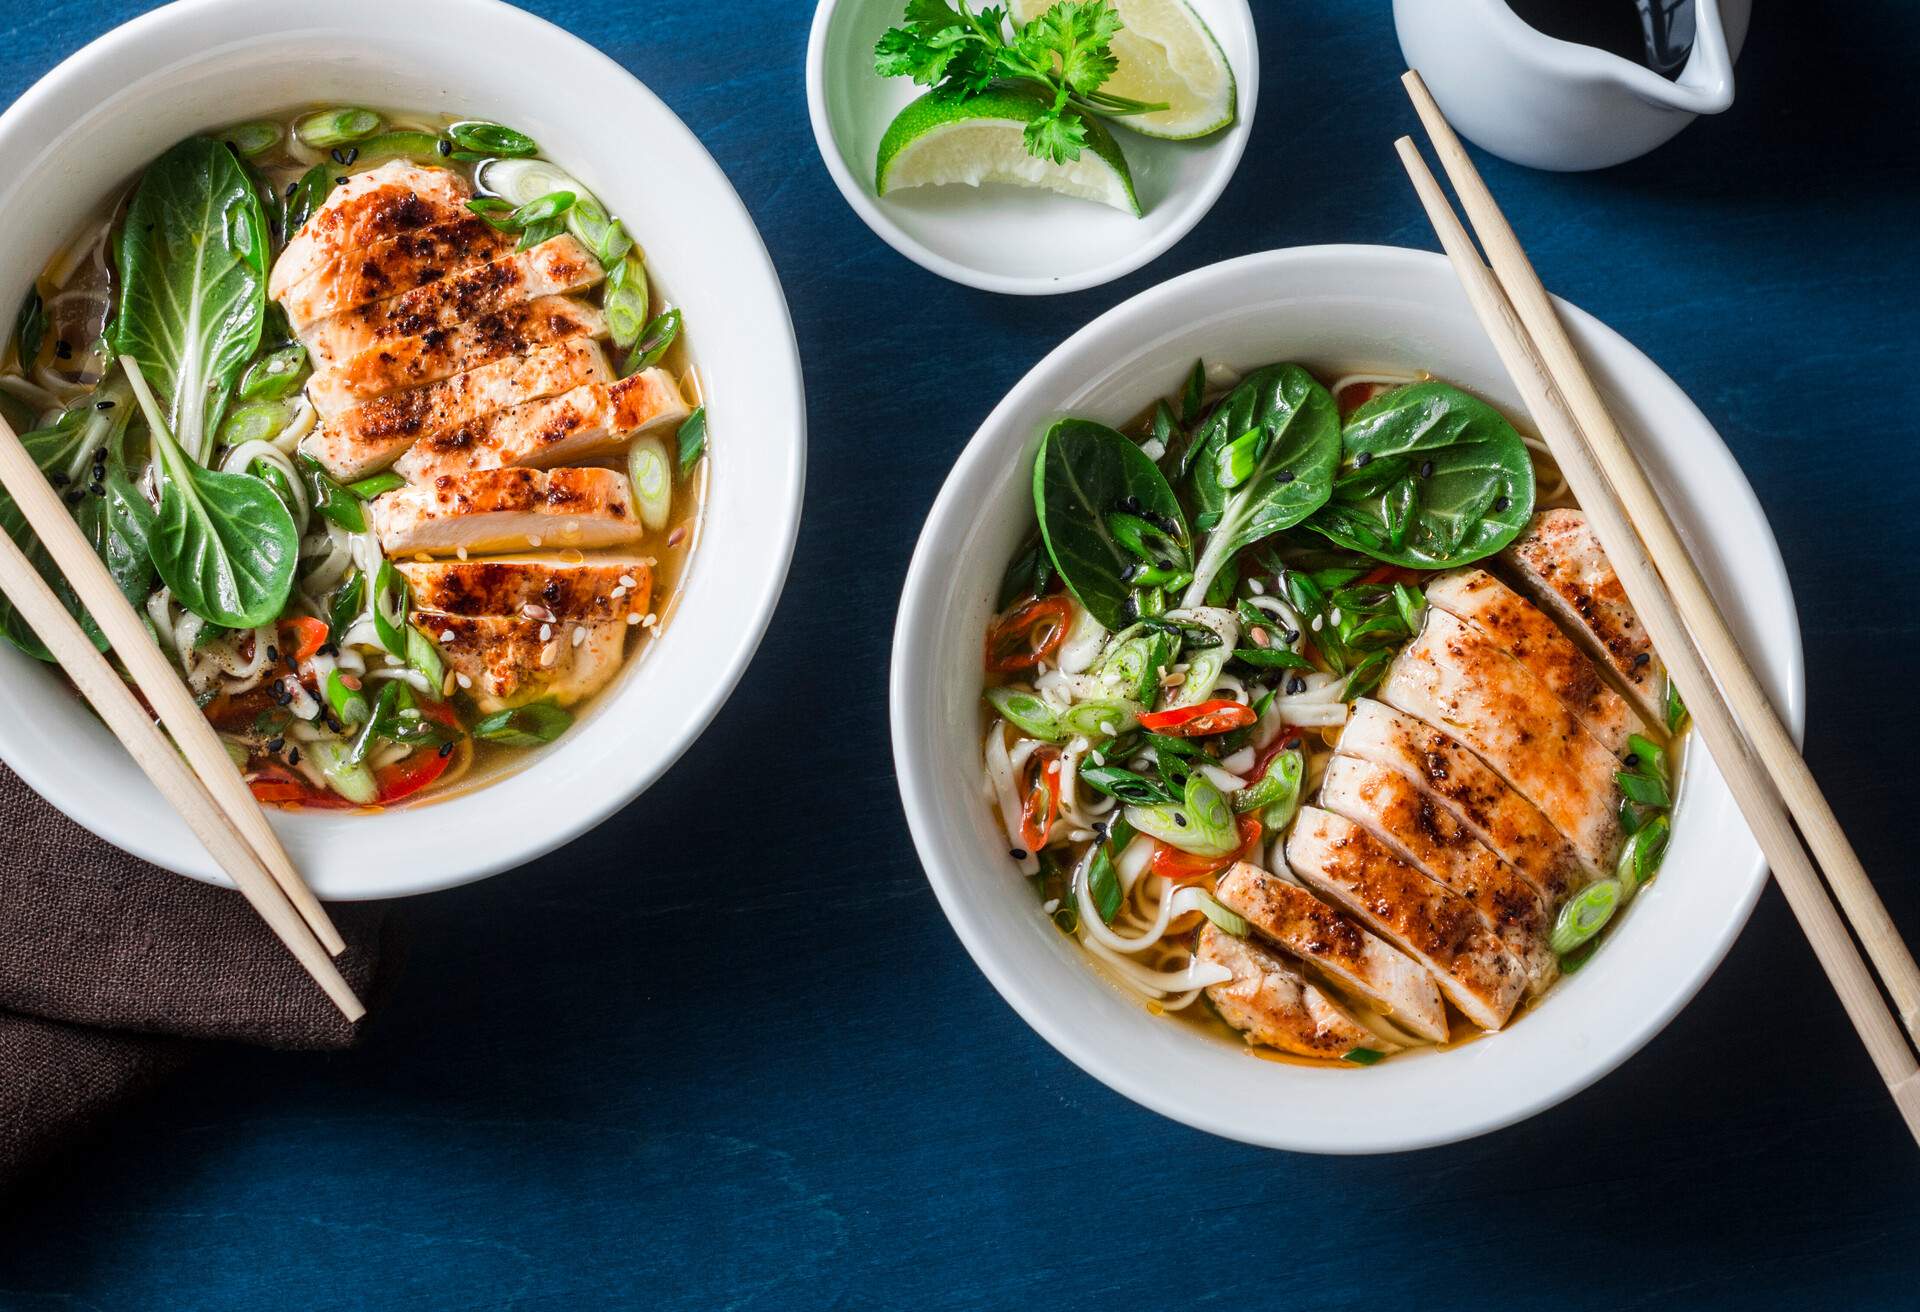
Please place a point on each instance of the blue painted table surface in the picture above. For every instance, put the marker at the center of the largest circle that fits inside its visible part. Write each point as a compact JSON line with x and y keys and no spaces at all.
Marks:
{"x":726,"y":1053}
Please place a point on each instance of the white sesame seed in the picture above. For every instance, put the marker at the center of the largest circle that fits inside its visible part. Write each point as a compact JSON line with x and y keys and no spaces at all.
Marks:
{"x":649,"y":619}
{"x":460,"y":552}
{"x":633,"y":618}
{"x":579,"y":634}
{"x":1335,"y":617}
{"x":549,"y":653}
{"x":546,"y":631}
{"x":446,"y":635}
{"x":1257,"y":588}
{"x":648,"y":561}
{"x":533,"y":541}
{"x":423,"y":557}
{"x":1315,"y":626}
{"x":569,"y":530}
{"x":1106,"y":728}
{"x":462,"y":680}
{"x":1099,"y":758}
{"x":619,"y":592}
{"x":626,"y":581}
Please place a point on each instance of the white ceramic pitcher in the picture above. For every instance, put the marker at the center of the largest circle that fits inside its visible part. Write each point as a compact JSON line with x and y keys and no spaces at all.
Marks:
{"x":1552,"y":104}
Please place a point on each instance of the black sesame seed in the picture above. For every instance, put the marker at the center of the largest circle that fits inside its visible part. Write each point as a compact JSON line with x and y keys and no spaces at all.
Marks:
{"x":275,"y":744}
{"x":1500,"y":504}
{"x":103,"y":405}
{"x":1641,"y":658}
{"x":1179,"y":819}
{"x":1017,"y":853}
{"x":347,"y":155}
{"x":58,"y":479}
{"x":293,"y":757}
{"x":291,"y":188}
{"x":446,"y":147}
{"x":1630,"y":760}
{"x":1426,"y":469}
{"x":446,"y":750}
{"x":341,"y":178}
{"x":1362,"y":460}
{"x":75,"y":497}
{"x":1295,"y":686}
{"x":273,"y":654}
{"x":1290,"y":636}
{"x":1284,"y":476}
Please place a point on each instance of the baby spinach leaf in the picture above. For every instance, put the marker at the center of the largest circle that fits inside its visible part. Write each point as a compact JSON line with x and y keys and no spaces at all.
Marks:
{"x":60,"y":452}
{"x":1084,"y":473}
{"x":193,"y":271}
{"x":1263,"y":461}
{"x":1430,"y":478}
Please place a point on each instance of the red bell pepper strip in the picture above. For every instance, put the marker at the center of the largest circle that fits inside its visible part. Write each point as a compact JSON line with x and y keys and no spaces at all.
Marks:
{"x":1200,"y":719}
{"x":301,"y":636}
{"x":1028,"y":634}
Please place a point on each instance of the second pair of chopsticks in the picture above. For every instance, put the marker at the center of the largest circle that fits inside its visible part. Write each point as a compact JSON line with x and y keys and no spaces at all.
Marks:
{"x":1765,"y":771}
{"x":192,"y":771}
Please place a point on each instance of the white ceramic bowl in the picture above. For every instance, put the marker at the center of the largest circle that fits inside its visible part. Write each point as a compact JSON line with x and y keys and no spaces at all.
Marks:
{"x":1331,"y":307}
{"x":101,"y":116}
{"x":1001,"y":238}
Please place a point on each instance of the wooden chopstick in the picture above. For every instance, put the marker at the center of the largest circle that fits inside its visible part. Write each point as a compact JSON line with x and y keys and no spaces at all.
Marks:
{"x":1805,"y":894}
{"x":165,"y":691}
{"x":102,"y":686}
{"x":1771,"y":742}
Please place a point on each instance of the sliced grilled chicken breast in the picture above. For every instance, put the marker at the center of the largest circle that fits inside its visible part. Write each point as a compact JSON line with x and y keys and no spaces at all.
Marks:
{"x":1510,"y":825}
{"x":552,"y":588}
{"x":1517,"y":627}
{"x":410,"y":361}
{"x":1301,"y":924}
{"x":507,"y":510}
{"x":369,"y":437}
{"x":382,"y":203}
{"x":1458,"y":681}
{"x":1271,"y":1003}
{"x":1559,"y":561}
{"x":1435,"y":927}
{"x":552,"y":268}
{"x":511,"y":660}
{"x":1423,"y":832}
{"x":351,"y":278}
{"x":579,"y":425}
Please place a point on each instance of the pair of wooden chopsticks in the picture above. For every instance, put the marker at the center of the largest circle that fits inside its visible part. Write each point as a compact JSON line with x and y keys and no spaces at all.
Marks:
{"x":197,"y":777}
{"x":1769,"y":779}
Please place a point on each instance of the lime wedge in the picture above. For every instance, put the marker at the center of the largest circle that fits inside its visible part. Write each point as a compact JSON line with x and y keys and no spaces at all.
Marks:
{"x":1166,"y":55}
{"x":938,"y":139}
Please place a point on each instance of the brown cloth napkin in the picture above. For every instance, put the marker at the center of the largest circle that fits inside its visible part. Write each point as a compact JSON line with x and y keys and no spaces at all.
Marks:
{"x":112,"y":971}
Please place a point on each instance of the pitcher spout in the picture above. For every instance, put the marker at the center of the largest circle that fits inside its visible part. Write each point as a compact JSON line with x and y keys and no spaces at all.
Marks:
{"x":1705,"y":85}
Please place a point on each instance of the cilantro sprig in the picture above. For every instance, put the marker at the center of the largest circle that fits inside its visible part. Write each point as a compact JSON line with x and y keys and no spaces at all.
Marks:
{"x":958,"y":52}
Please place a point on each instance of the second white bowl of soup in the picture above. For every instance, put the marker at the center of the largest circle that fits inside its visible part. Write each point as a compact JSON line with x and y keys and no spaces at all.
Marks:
{"x":498,"y":467}
{"x":1389,"y":941}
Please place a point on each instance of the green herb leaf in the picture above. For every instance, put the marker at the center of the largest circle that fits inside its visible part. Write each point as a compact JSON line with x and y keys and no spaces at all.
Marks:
{"x":1430,"y":477}
{"x":524,"y":726}
{"x":654,"y":341}
{"x":692,"y":440}
{"x":1103,"y":885}
{"x":1363,"y":1056}
{"x":1083,"y":473}
{"x":484,"y":139}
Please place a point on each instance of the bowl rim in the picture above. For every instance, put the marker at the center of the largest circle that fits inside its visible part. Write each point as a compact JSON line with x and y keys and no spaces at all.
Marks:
{"x":1228,"y":151}
{"x":921,"y":801}
{"x":778,"y":530}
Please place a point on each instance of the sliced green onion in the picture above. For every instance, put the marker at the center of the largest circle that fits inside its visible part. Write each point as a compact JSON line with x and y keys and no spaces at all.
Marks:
{"x":524,"y":726}
{"x":1276,"y":793}
{"x":1640,"y":858}
{"x":1362,"y":1056}
{"x":1676,"y":709}
{"x":336,"y":127}
{"x":275,"y":376}
{"x":390,"y":583}
{"x":347,"y":704}
{"x":479,"y":137}
{"x":606,"y":237}
{"x":1103,"y":885}
{"x":1147,"y":540}
{"x":1102,"y":719}
{"x":1272,"y":658}
{"x":652,"y":481}
{"x":378,"y":722}
{"x":1116,"y":781}
{"x":542,"y":209}
{"x":276,"y":478}
{"x":1234,"y":465}
{"x":655,"y":338}
{"x":309,"y":193}
{"x":254,"y":423}
{"x":343,"y":607}
{"x":1649,"y":757}
{"x":254,"y":139}
{"x":692,"y":439}
{"x":420,"y":147}
{"x":1136,"y":663}
{"x":423,"y":656}
{"x":333,"y":501}
{"x":344,"y":772}
{"x":1585,"y":914}
{"x":1224,"y":916}
{"x":1643,"y":789}
{"x":1201,"y":823}
{"x":374,"y":485}
{"x":1203,"y":671}
{"x":625,"y":301}
{"x":1027,"y":713}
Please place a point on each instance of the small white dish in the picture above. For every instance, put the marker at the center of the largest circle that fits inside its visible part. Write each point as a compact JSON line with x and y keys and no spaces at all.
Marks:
{"x":1009,"y":239}
{"x":79,"y":135}
{"x":1331,"y":307}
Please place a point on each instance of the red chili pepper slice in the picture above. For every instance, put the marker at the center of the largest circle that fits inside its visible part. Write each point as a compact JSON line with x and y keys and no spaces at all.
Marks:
{"x":1028,"y":634}
{"x":301,"y":636}
{"x":1180,"y":866}
{"x":1042,"y":806}
{"x":410,"y":775}
{"x":1200,"y":719}
{"x":1388,"y":574}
